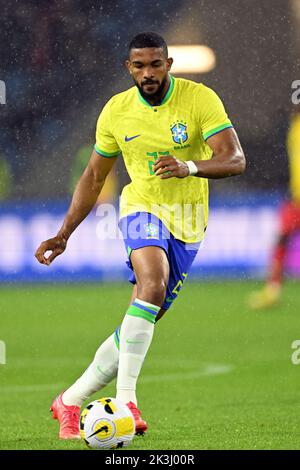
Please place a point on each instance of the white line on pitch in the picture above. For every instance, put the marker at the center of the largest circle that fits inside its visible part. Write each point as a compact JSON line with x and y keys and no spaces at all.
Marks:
{"x":206,"y":371}
{"x":209,"y":370}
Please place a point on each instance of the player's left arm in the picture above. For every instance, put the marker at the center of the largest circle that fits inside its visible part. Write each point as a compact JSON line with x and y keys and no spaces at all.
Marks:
{"x":228,"y":159}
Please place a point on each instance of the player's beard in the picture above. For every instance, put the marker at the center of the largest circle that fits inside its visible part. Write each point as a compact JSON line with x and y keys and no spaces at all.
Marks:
{"x":158,"y":95}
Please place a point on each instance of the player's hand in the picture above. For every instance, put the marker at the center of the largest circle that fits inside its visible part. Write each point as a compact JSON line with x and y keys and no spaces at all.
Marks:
{"x":170,"y":167}
{"x":57,"y":245}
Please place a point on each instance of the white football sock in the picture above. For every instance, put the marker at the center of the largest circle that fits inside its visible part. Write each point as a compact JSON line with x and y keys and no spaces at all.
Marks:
{"x":135,"y":338}
{"x":100,"y":372}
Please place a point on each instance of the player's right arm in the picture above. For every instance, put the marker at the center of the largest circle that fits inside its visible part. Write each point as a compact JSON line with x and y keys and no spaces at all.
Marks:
{"x":84,"y":198}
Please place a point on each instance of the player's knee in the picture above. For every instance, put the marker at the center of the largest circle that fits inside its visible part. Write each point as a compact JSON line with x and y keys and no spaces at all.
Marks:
{"x":160,"y":314}
{"x":153,"y":291}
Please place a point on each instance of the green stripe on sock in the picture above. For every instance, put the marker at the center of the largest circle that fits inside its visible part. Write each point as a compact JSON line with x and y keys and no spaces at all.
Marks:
{"x":147,"y":304}
{"x":117,"y":341}
{"x":101,"y":371}
{"x":137,"y":312}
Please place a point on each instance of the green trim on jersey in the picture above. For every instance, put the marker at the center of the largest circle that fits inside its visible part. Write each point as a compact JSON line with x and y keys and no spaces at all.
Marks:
{"x":166,"y":97}
{"x":216,"y":130}
{"x":106,"y":154}
{"x":170,"y":90}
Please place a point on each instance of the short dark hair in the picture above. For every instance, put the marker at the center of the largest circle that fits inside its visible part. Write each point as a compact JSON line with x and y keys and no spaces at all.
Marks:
{"x":148,"y":39}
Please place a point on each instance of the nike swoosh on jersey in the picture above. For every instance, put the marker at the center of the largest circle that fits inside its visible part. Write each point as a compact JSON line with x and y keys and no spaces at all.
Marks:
{"x":128,"y":139}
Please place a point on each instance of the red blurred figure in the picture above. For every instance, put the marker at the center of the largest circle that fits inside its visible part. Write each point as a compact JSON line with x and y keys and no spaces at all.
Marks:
{"x":289,"y":222}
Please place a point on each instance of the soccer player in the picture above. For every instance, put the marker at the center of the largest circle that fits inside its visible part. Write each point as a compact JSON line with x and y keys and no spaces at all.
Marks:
{"x":289,"y":222}
{"x":174,"y":134}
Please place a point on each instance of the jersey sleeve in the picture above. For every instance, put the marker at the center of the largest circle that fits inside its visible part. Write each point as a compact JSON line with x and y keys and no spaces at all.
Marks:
{"x":106,"y":144}
{"x":213,"y":117}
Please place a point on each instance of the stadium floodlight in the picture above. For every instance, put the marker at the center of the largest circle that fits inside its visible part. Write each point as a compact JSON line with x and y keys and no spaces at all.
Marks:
{"x":192,"y":59}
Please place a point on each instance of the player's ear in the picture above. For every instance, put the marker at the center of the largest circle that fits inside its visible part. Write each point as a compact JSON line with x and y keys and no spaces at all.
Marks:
{"x":128,"y":66}
{"x":169,"y":63}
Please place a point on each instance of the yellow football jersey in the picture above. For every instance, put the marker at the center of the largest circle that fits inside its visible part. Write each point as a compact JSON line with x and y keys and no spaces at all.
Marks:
{"x":189,"y":114}
{"x":293,"y":146}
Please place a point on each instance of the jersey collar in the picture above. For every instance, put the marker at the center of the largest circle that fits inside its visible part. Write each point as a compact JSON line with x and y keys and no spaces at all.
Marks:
{"x":166,"y":97}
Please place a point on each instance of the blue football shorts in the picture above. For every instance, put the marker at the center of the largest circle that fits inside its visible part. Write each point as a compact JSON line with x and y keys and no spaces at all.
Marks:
{"x":144,"y":229}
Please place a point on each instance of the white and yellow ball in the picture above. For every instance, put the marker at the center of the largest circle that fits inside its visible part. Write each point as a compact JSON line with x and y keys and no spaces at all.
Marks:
{"x":107,"y":424}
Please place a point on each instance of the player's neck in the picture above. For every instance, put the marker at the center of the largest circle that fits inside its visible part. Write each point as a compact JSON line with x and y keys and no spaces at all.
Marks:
{"x":157,"y":100}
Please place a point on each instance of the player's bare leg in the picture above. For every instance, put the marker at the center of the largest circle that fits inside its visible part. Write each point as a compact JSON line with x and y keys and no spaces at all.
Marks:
{"x":134,"y":295}
{"x":151,"y":269}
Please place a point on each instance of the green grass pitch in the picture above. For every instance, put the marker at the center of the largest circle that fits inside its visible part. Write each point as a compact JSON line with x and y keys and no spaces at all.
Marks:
{"x":217,"y":376}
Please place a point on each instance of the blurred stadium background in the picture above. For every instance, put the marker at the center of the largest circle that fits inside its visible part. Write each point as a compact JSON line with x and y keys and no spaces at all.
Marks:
{"x":62,"y":60}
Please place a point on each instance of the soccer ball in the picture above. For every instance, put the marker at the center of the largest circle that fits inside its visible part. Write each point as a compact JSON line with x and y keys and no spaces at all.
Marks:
{"x":107,"y":424}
